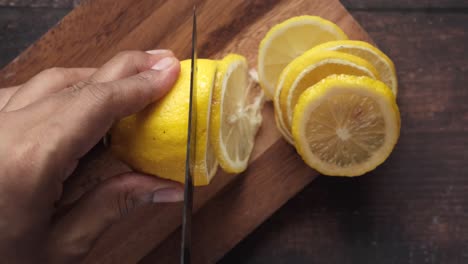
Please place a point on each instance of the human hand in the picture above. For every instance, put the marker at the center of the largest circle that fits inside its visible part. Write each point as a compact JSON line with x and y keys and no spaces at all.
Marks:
{"x":46,"y":126}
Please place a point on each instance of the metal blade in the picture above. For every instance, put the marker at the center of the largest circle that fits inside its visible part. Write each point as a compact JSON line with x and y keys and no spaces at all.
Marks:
{"x":190,"y":156}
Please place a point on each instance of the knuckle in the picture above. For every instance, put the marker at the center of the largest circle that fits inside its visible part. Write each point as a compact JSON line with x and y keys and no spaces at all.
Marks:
{"x":100,"y":93}
{"x":76,"y":88}
{"x":125,"y":203}
{"x":54,"y":71}
{"x":73,"y":247}
{"x":125,"y":200}
{"x":146,"y":76}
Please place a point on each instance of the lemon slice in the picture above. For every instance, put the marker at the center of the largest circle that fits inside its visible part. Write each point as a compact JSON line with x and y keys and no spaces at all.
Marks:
{"x":346,"y":125}
{"x":377,"y":58}
{"x":307,"y":70}
{"x":154,"y":140}
{"x":288,"y":40}
{"x":235,"y":114}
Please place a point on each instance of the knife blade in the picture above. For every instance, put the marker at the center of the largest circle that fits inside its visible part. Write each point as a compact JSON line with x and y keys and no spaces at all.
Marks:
{"x":186,"y":244}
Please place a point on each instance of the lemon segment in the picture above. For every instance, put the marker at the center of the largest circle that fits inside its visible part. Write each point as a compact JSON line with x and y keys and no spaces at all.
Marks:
{"x":381,"y":62}
{"x":235,"y":114}
{"x":288,"y":40}
{"x":154,"y":140}
{"x":346,"y":125}
{"x":307,"y":70}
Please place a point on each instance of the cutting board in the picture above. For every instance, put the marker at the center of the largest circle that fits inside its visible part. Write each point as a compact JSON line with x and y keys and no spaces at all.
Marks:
{"x":232,"y":206}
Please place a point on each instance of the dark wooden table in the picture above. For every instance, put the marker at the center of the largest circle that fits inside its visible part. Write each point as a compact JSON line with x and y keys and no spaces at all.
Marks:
{"x":413,"y":208}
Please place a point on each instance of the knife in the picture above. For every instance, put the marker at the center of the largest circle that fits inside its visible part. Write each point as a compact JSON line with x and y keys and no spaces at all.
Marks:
{"x":186,"y":245}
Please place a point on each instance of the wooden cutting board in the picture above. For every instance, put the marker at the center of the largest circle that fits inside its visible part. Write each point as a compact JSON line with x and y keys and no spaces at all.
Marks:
{"x":232,"y":206}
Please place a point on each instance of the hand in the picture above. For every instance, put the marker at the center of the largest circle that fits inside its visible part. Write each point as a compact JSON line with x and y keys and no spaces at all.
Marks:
{"x":46,"y":126}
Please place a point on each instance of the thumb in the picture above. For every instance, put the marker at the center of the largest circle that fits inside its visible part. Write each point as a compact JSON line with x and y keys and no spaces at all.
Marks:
{"x":75,"y":234}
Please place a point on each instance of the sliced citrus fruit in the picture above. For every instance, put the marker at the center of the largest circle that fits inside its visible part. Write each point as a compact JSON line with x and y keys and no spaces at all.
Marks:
{"x":282,"y":129}
{"x":154,"y":140}
{"x":307,"y":70}
{"x":377,"y":58}
{"x":286,"y":41}
{"x":346,"y":125}
{"x":235,"y":114}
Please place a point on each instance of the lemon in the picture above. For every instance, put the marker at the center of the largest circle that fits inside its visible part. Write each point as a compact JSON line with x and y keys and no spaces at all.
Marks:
{"x":307,"y":70}
{"x":235,"y":114}
{"x":377,"y":58}
{"x":346,"y":125}
{"x":154,"y":140}
{"x":289,"y":39}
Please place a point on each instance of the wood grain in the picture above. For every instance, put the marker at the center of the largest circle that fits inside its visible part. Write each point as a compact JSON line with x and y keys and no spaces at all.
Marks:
{"x":406,"y":5}
{"x":40,"y":3}
{"x":86,"y":47}
{"x":410,"y":210}
{"x":413,"y":208}
{"x":21,"y":27}
{"x":87,"y":38}
{"x":74,"y":38}
{"x":224,"y":220}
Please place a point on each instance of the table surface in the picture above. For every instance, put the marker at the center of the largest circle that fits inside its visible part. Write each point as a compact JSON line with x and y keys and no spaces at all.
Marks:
{"x":413,"y":208}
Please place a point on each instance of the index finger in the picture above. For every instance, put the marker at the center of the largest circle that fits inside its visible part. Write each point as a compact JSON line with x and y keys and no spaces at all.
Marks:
{"x":96,"y":106}
{"x":76,"y":118}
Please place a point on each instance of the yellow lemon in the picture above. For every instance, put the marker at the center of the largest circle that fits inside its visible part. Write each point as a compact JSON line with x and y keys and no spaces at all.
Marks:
{"x":288,"y":40}
{"x":235,"y":114}
{"x":307,"y":70}
{"x":381,"y":62}
{"x":346,"y":125}
{"x":154,"y":140}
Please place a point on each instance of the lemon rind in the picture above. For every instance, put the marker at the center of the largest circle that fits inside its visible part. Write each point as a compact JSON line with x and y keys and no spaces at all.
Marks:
{"x":277,"y":30}
{"x":225,"y":68}
{"x":362,"y":45}
{"x":313,"y":58}
{"x":364,"y":85}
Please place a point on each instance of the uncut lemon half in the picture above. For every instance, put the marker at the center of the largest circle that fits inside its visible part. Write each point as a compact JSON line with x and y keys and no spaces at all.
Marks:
{"x":235,"y":114}
{"x":307,"y":70}
{"x":381,"y":62}
{"x":346,"y":125}
{"x":286,"y":41}
{"x":154,"y":140}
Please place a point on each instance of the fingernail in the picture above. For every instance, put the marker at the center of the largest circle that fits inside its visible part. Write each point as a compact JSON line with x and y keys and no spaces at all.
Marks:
{"x":164,"y":64}
{"x":168,"y":195}
{"x":158,"y":51}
